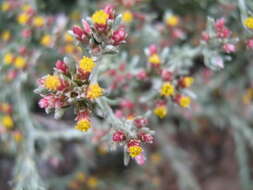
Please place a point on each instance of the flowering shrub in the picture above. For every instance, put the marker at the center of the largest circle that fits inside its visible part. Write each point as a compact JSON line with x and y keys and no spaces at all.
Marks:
{"x":125,"y":78}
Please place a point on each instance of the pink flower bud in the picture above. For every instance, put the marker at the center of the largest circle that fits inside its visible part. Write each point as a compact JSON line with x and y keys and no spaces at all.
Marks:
{"x":119,"y":36}
{"x":152,"y":49}
{"x":250,"y":43}
{"x":205,"y":36}
{"x":141,"y":75}
{"x":61,"y":66}
{"x":229,"y":48}
{"x":178,"y":33}
{"x":127,"y":104}
{"x":224,"y":33}
{"x":219,"y":24}
{"x":145,"y":137}
{"x":166,"y":75}
{"x":109,"y":9}
{"x":43,"y":103}
{"x":140,"y":159}
{"x":22,"y":50}
{"x":140,"y":122}
{"x":64,"y":85}
{"x":82,"y":115}
{"x":26,"y":33}
{"x":86,"y":27}
{"x":119,"y":114}
{"x":134,"y":142}
{"x":78,"y":32}
{"x":118,"y":136}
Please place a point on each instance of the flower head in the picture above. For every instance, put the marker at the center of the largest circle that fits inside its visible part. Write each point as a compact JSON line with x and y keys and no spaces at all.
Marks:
{"x":23,"y":18}
{"x":154,"y":59}
{"x":38,"y":21}
{"x":160,"y":111}
{"x":183,"y":101}
{"x":46,"y":40}
{"x":20,"y":62}
{"x":100,"y":17}
{"x":134,"y":151}
{"x":5,"y":6}
{"x":172,"y":20}
{"x":8,"y":58}
{"x":7,"y":121}
{"x":83,"y":125}
{"x":248,"y":22}
{"x":167,"y":89}
{"x":94,"y":91}
{"x":127,"y":16}
{"x":186,"y":82}
{"x":52,"y":82}
{"x":86,"y":64}
{"x":6,"y":35}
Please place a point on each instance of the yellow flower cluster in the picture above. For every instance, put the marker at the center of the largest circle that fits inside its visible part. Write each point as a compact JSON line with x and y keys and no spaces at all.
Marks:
{"x":83,"y":125}
{"x":46,"y":40}
{"x":248,"y":22}
{"x":6,"y":35}
{"x":161,"y":111}
{"x":127,"y":16}
{"x":94,"y":91}
{"x":52,"y":82}
{"x":20,"y":62}
{"x":5,"y":6}
{"x":38,"y":21}
{"x":7,"y":121}
{"x":167,"y":89}
{"x":187,"y":81}
{"x":172,"y":20}
{"x":100,"y":17}
{"x":185,"y":101}
{"x":134,"y":151}
{"x":23,"y":18}
{"x":8,"y":58}
{"x":68,"y":37}
{"x":86,"y":64}
{"x":154,"y":59}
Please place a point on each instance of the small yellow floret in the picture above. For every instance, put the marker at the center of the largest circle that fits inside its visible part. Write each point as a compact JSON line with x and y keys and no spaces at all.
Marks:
{"x":94,"y":91}
{"x":154,"y":59}
{"x":247,"y":97}
{"x":8,"y":58}
{"x":92,"y":182}
{"x":7,"y":121}
{"x":100,"y":17}
{"x":6,"y":35}
{"x":83,"y":125}
{"x":160,"y":111}
{"x":127,"y":16}
{"x":23,"y":18}
{"x":20,"y":62}
{"x":17,"y":136}
{"x":68,"y":37}
{"x":185,"y":101}
{"x":86,"y":64}
{"x":167,"y":89}
{"x":248,"y":22}
{"x":52,"y":82}
{"x":39,"y":21}
{"x":134,"y":151}
{"x":46,"y":40}
{"x":172,"y":20}
{"x":5,"y":6}
{"x":187,"y":81}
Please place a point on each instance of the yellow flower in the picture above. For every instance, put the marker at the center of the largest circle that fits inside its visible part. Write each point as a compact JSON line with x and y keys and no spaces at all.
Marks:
{"x":100,"y":17}
{"x":185,"y":101}
{"x":39,"y":21}
{"x":187,"y":82}
{"x":248,"y":22}
{"x":172,"y":20}
{"x":52,"y":82}
{"x":17,"y":136}
{"x":5,"y":6}
{"x":83,"y":125}
{"x":69,"y":48}
{"x":247,"y":97}
{"x":20,"y":62}
{"x":134,"y":151}
{"x":127,"y":16}
{"x":92,"y":182}
{"x":8,"y":58}
{"x":154,"y":59}
{"x":80,"y":176}
{"x":5,"y":107}
{"x":160,"y":111}
{"x":167,"y":89}
{"x":46,"y":40}
{"x":6,"y":35}
{"x":86,"y":64}
{"x":23,"y":18}
{"x":68,"y":37}
{"x":94,"y":91}
{"x":7,"y":121}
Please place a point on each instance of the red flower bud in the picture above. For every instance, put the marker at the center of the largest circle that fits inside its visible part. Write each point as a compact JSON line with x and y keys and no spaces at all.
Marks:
{"x":86,"y":27}
{"x":166,"y":75}
{"x":61,"y":66}
{"x":109,"y":9}
{"x":145,"y":137}
{"x":118,"y":136}
{"x":134,"y":142}
{"x":140,"y":122}
{"x":119,"y":36}
{"x":152,"y":49}
{"x":79,"y":33}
